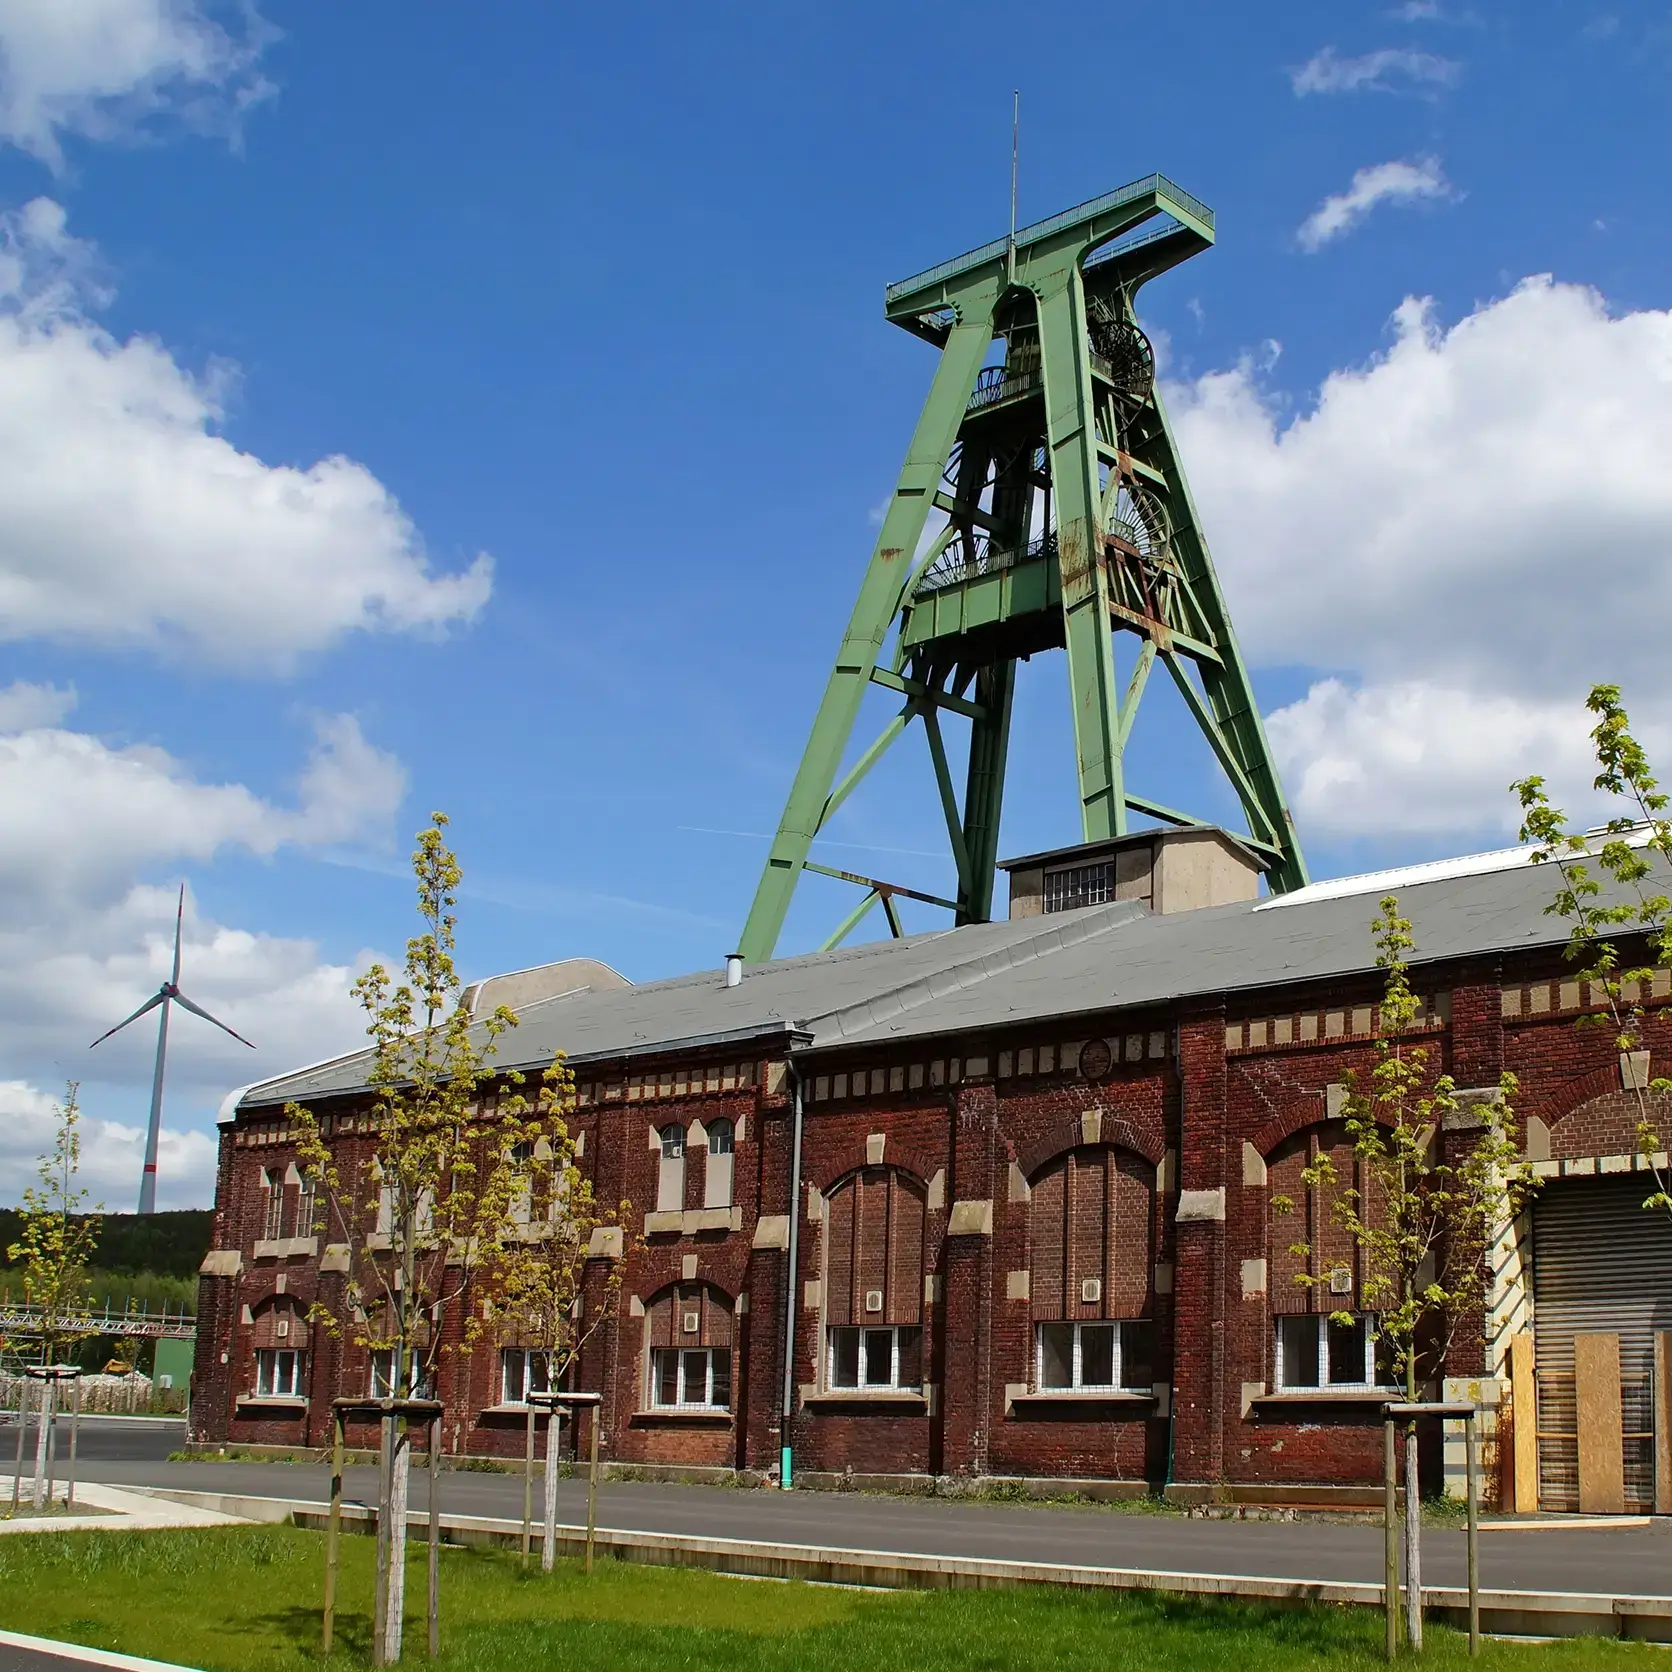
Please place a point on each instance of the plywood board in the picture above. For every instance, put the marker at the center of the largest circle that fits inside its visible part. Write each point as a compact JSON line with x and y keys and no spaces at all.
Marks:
{"x":1523,"y":1424}
{"x":1663,"y":1422}
{"x":1602,"y":1474}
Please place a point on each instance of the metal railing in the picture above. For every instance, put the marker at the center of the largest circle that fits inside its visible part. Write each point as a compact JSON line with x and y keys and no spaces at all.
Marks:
{"x":998,"y":384}
{"x":26,"y":1320}
{"x":959,"y":564}
{"x":1158,"y":184}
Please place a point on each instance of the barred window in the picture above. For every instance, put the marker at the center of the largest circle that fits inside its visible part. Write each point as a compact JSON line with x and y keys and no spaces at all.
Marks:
{"x":1079,"y":885}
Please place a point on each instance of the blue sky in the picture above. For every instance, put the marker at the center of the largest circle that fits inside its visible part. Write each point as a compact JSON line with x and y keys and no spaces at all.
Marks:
{"x":409,"y":408}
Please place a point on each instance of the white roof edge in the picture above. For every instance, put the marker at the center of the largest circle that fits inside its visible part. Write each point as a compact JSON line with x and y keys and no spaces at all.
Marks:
{"x":1434,"y":870}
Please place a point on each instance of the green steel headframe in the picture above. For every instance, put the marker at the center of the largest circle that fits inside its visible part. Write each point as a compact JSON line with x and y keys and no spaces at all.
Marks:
{"x":1068,"y":521}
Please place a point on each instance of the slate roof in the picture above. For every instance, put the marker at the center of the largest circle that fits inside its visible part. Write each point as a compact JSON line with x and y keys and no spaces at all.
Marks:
{"x":1101,"y":958}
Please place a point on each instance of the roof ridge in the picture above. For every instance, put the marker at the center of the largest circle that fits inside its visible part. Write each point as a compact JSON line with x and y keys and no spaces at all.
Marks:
{"x":1073,"y":929}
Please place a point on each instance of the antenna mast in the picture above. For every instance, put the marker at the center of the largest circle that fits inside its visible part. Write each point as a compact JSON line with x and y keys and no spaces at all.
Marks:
{"x":1015,"y":138}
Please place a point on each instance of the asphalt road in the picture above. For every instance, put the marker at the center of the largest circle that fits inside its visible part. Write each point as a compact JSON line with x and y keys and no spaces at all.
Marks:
{"x":1626,"y":1561}
{"x":103,"y":1439}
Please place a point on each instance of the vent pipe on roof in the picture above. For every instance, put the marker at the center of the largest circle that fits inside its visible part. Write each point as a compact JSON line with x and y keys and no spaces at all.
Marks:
{"x":734,"y":969}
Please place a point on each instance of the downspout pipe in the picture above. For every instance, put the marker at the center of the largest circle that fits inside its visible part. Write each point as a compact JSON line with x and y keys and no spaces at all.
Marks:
{"x":786,"y":1460}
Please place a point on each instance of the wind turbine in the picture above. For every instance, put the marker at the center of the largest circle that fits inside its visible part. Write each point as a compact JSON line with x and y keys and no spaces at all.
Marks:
{"x":164,"y":995}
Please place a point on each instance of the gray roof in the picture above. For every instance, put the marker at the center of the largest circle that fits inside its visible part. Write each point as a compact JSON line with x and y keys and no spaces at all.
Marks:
{"x":1101,"y":958}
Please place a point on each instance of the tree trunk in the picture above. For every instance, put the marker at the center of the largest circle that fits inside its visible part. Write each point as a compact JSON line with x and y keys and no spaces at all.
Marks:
{"x":395,"y":1593}
{"x":43,"y":1427}
{"x":1413,"y":1544}
{"x":548,"y":1538}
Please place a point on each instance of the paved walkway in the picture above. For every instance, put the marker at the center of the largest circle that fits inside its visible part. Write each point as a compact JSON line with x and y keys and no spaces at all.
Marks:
{"x":108,"y":1507}
{"x":1612,"y":1561}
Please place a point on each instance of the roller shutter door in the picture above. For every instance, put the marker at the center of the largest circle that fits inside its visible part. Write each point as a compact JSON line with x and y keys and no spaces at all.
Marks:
{"x":1601,"y":1265}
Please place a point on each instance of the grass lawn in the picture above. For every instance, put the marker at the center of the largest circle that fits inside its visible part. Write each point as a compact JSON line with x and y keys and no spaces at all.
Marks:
{"x":247,"y":1600}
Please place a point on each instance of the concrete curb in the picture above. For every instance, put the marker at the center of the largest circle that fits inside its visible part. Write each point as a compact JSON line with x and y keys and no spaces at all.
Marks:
{"x":1517,"y":1613}
{"x":121,"y":1510}
{"x":93,"y":1657}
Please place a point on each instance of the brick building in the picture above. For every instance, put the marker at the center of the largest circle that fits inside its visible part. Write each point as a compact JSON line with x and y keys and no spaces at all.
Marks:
{"x":1028,"y":1231}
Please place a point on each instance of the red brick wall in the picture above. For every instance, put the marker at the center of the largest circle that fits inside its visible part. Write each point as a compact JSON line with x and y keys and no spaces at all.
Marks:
{"x":1188,"y":1117}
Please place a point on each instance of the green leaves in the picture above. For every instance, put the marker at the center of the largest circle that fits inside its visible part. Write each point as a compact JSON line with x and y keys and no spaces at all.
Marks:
{"x":57,"y":1240}
{"x":1606,"y":895}
{"x":1426,"y":1201}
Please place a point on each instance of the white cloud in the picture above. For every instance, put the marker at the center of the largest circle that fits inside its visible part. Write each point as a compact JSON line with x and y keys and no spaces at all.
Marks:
{"x":127,"y":522}
{"x":24,"y":706}
{"x":111,"y":1154}
{"x":84,"y":937}
{"x":1383,"y":71}
{"x":78,"y":814}
{"x":1474,"y":526}
{"x":1395,"y":182}
{"x":110,"y":68}
{"x":1424,"y":758}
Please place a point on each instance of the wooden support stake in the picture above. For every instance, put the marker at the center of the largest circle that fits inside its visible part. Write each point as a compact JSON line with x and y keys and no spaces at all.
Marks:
{"x":1472,"y":1489}
{"x":528,"y":1483}
{"x":1390,"y":1535}
{"x":435,"y":1537}
{"x":1602,"y":1472}
{"x":592,"y":1486}
{"x":385,"y":1490}
{"x":75,"y":1432}
{"x":1413,"y":1542}
{"x":22,"y":1424}
{"x":333,"y":1532}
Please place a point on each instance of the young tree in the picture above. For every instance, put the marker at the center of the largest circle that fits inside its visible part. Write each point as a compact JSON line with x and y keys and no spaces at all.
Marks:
{"x":1424,"y":1220}
{"x":559,"y":1227}
{"x":420,"y":1190}
{"x":1610,"y":894}
{"x":55,"y":1246}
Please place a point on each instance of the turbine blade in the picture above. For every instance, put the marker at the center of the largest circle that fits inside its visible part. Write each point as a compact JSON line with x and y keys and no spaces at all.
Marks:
{"x":150,"y":1004}
{"x":198,"y":1010}
{"x":179,"y":924}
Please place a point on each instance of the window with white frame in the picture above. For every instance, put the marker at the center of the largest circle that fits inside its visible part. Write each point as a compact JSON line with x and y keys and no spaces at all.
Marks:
{"x":670,"y":1177}
{"x":273,"y":1225}
{"x":522,"y":1192}
{"x":1094,"y":1357}
{"x":383,"y":1375}
{"x":690,"y":1378}
{"x":1079,"y":885}
{"x":305,"y":1200}
{"x":717,"y":1184}
{"x":278,"y":1373}
{"x":886,"y":1358}
{"x":1317,"y":1350}
{"x":522,"y":1371}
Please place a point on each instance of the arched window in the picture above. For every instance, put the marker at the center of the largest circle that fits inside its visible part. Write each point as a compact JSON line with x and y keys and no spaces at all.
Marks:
{"x":279,"y":1335}
{"x":670,"y":1177}
{"x":688,"y":1338}
{"x":1091,"y":1237}
{"x":717,"y":1181}
{"x":875,"y":1223}
{"x":1321,"y":1336}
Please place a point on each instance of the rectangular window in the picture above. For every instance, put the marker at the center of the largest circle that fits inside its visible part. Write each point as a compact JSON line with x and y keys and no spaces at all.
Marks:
{"x":273,"y":1225}
{"x":690,"y":1378}
{"x":383,"y":1375}
{"x":305,"y":1209}
{"x":278,"y":1373}
{"x":522,"y":1371}
{"x":886,"y":1359}
{"x":1080,"y":885}
{"x":1317,"y":1351}
{"x":1095,"y":1357}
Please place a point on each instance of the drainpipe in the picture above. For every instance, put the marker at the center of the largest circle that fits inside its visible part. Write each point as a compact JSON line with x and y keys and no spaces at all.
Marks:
{"x":786,"y":1476}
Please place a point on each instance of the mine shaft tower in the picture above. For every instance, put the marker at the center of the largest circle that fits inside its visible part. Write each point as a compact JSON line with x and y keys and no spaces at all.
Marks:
{"x":1068,"y":523}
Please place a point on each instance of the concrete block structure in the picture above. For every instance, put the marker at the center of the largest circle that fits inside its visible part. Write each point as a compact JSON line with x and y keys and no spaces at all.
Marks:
{"x":1034,"y":1234}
